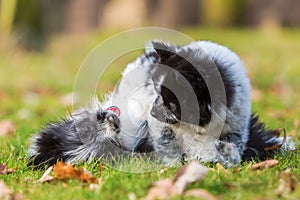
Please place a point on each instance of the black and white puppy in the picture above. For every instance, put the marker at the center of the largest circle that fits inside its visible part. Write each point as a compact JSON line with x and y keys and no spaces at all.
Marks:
{"x":182,"y":105}
{"x":187,"y":102}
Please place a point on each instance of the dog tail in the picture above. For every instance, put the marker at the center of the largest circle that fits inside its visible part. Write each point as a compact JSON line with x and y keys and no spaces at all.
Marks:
{"x":264,"y":142}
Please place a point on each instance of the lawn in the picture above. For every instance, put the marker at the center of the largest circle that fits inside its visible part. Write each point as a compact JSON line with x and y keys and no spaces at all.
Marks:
{"x":34,"y":88}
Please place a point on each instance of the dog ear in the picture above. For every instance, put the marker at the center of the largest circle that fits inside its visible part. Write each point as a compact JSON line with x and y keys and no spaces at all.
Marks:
{"x":174,"y":57}
{"x":163,"y":50}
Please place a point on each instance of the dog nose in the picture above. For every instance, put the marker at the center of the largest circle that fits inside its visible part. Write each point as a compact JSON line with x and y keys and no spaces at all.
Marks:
{"x":113,"y":119}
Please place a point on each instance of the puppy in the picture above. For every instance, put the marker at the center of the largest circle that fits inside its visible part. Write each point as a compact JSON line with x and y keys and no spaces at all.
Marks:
{"x":188,"y":102}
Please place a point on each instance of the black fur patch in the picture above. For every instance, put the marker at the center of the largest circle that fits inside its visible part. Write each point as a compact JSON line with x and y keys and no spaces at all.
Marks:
{"x":182,"y":71}
{"x":259,"y":138}
{"x":228,"y":84}
{"x":53,"y":141}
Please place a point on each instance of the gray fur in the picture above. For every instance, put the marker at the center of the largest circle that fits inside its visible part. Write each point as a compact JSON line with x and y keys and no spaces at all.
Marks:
{"x":186,"y":139}
{"x":142,"y":124}
{"x":83,"y":136}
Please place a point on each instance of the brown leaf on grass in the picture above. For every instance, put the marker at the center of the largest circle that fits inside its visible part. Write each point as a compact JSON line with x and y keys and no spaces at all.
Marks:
{"x":85,"y":176}
{"x":187,"y":174}
{"x":162,"y":189}
{"x":7,"y":128}
{"x":166,"y":188}
{"x":5,"y":192}
{"x":199,"y":193}
{"x":265,"y":164}
{"x":66,"y":171}
{"x":46,"y":176}
{"x":4,"y":170}
{"x":287,"y":183}
{"x":278,"y":146}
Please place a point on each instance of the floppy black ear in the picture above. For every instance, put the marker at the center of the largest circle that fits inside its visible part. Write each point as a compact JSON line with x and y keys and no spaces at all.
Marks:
{"x":163,"y":50}
{"x":169,"y":55}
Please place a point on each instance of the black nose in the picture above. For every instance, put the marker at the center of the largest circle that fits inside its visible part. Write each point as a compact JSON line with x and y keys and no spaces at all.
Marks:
{"x":110,"y":117}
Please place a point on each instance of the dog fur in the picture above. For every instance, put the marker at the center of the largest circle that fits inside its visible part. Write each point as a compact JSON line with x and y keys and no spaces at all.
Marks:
{"x":170,"y":105}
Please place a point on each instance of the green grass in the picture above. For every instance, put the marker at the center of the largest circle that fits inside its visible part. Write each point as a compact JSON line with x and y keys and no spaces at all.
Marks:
{"x":31,"y":85}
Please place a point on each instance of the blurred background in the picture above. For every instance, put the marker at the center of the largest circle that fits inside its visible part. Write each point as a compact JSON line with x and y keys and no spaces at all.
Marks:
{"x":33,"y":22}
{"x":44,"y":42}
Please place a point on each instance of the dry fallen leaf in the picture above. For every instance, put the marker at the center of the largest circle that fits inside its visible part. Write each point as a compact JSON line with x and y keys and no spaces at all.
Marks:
{"x":287,"y":183}
{"x":162,"y":189}
{"x":277,"y":133}
{"x":5,"y":192}
{"x":64,"y":171}
{"x":67,"y":171}
{"x":86,"y":177}
{"x":166,"y":188}
{"x":189,"y":173}
{"x":46,"y":176}
{"x":199,"y":193}
{"x":265,"y":164}
{"x":7,"y":128}
{"x":4,"y":170}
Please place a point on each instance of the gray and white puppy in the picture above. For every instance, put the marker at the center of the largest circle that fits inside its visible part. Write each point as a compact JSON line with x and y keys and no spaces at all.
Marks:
{"x":180,"y":102}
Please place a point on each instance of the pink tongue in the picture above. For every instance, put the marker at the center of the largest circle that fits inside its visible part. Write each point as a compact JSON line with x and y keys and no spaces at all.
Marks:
{"x":114,"y":109}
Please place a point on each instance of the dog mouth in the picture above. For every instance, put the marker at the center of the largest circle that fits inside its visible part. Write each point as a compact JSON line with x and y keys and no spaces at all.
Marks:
{"x":112,"y":116}
{"x":109,"y":116}
{"x":115,"y":110}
